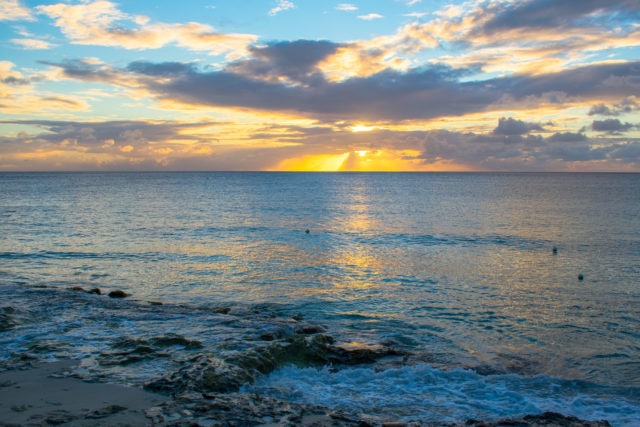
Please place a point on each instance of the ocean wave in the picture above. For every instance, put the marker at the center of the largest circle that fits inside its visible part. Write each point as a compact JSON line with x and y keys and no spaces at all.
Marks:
{"x":423,"y":393}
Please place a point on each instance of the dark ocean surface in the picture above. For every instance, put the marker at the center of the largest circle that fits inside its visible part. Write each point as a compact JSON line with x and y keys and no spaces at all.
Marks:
{"x":456,"y":270}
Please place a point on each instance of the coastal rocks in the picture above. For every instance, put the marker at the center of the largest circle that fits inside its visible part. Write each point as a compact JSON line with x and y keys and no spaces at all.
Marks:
{"x":240,"y":409}
{"x":547,"y":419}
{"x":131,"y":350}
{"x":95,"y":291}
{"x":118,"y":294}
{"x":204,"y":374}
{"x":314,"y":350}
{"x":105,"y":412}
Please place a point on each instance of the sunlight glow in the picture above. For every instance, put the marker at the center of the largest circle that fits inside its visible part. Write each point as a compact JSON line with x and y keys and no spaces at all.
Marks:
{"x":362,"y":128}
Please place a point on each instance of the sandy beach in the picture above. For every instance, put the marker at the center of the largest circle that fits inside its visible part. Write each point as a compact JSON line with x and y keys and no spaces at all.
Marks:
{"x":45,"y":395}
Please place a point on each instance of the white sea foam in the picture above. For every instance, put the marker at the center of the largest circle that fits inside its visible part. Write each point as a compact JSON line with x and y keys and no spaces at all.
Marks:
{"x":425,"y":393}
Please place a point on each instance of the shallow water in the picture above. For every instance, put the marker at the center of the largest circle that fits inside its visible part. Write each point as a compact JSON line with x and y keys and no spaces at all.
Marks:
{"x":455,"y":269}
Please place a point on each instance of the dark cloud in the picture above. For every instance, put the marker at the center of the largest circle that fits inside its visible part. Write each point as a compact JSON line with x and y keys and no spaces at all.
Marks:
{"x":619,"y":80}
{"x":601,"y":110}
{"x":296,"y":60}
{"x":393,"y":95}
{"x":419,"y":93}
{"x":610,"y":126}
{"x":510,"y":126}
{"x":83,"y":69}
{"x":15,"y":81}
{"x":568,"y":137}
{"x":163,"y":69}
{"x":561,"y":13}
{"x":91,"y":134}
{"x":627,"y":105}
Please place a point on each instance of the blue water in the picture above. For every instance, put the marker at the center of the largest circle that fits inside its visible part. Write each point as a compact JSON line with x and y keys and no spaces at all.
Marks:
{"x":456,"y":269}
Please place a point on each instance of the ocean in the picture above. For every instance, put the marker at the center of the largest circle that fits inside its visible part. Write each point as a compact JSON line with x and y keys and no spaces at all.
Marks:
{"x":491,"y":295}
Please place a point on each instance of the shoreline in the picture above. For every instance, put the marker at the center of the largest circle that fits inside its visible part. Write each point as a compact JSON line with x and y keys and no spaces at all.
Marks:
{"x":47,"y":394}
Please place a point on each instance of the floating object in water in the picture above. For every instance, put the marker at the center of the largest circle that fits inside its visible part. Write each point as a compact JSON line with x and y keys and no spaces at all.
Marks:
{"x":307,"y":231}
{"x":580,"y":277}
{"x":554,"y":250}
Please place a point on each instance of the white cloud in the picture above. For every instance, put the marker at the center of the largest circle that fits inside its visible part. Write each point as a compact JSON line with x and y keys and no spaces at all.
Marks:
{"x":370,"y":16}
{"x":101,"y":23}
{"x":31,"y":44}
{"x":415,"y":14}
{"x":346,"y":7}
{"x":413,"y":2}
{"x":281,"y":7}
{"x":12,"y":10}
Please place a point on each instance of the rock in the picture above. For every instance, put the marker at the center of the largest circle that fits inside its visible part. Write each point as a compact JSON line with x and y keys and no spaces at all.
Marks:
{"x":77,"y":288}
{"x":309,"y":329}
{"x":155,"y":303}
{"x":547,"y":419}
{"x":96,"y":291}
{"x":105,"y":412}
{"x":118,"y":294}
{"x":202,"y":374}
{"x":222,"y":310}
{"x":172,"y":339}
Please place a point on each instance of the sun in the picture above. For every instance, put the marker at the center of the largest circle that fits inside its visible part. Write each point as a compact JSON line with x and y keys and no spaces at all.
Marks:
{"x":362,"y":128}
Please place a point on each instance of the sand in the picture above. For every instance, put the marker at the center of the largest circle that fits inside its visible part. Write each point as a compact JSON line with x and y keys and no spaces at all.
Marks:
{"x":44,"y":396}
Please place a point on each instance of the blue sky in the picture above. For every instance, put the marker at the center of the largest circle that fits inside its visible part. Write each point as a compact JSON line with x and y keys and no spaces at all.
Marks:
{"x":320,"y":85}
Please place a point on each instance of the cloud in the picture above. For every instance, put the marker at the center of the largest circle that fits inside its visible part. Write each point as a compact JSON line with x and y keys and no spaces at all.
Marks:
{"x":101,"y":23}
{"x":31,"y":44}
{"x":627,"y":105}
{"x":560,"y":14}
{"x":510,"y":127}
{"x":13,"y":10}
{"x":612,"y":126}
{"x":167,"y":145}
{"x":281,"y":7}
{"x":370,"y":16}
{"x":420,"y":93}
{"x":295,"y":61}
{"x":346,"y":7}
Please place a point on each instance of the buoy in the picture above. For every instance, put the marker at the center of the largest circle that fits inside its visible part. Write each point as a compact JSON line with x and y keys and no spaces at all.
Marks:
{"x":580,"y":277}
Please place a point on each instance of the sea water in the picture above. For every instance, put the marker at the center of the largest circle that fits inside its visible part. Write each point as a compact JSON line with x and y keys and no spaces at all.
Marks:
{"x":513,"y":293}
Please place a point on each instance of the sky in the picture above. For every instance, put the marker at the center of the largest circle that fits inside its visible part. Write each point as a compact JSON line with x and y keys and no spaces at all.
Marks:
{"x":320,"y":85}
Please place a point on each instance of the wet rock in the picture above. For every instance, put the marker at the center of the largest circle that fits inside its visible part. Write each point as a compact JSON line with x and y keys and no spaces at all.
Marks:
{"x":77,"y":288}
{"x":132,"y":350}
{"x":307,"y":329}
{"x":172,"y":339}
{"x":547,"y":419}
{"x":204,"y":374}
{"x":275,"y":332}
{"x":360,"y":353}
{"x":95,"y":291}
{"x":155,"y":303}
{"x":56,"y":417}
{"x":239,"y":409}
{"x":118,"y":294}
{"x":222,"y":310}
{"x":105,"y":412}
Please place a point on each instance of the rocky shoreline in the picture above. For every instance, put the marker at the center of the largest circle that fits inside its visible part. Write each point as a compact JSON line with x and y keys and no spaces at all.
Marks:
{"x":200,"y":387}
{"x":48,"y":394}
